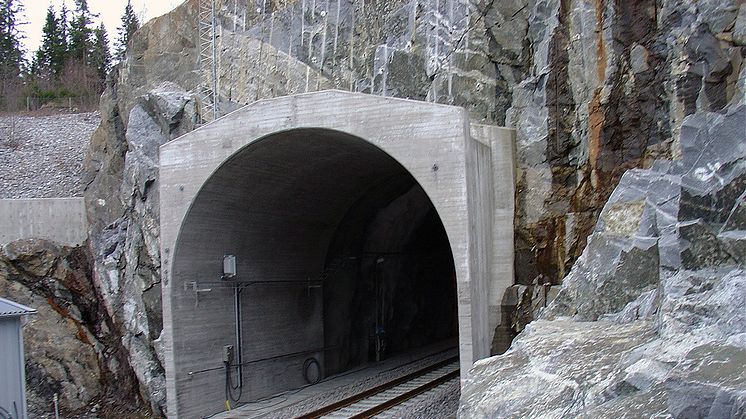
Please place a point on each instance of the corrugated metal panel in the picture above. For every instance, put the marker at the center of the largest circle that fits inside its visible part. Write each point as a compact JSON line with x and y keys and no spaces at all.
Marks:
{"x":12,"y":390}
{"x":12,"y":309}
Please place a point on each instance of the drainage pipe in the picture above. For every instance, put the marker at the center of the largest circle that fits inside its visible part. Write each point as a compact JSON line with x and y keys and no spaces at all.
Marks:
{"x":239,"y":351}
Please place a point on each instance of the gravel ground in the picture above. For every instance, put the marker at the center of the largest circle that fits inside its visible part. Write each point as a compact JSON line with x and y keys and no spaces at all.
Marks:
{"x":42,"y":156}
{"x":441,"y":402}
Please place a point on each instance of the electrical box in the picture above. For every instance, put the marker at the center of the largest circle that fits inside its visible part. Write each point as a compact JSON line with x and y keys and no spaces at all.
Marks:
{"x":229,"y":266}
{"x":228,"y":354}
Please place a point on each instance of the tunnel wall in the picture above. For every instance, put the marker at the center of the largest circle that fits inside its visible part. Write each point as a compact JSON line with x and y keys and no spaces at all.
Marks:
{"x":473,"y":306}
{"x":274,"y":205}
{"x":432,"y":142}
{"x":501,"y":144}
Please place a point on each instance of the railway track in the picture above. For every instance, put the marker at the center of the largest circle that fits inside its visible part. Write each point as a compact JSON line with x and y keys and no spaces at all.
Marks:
{"x":384,"y":397}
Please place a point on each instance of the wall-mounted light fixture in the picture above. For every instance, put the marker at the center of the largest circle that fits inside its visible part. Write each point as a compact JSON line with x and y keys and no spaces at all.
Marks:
{"x":229,"y":267}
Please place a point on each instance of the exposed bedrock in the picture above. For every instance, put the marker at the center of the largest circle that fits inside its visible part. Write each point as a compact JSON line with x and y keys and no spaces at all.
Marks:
{"x":122,"y":202}
{"x":72,"y":349}
{"x":607,"y":93}
{"x":652,"y":318}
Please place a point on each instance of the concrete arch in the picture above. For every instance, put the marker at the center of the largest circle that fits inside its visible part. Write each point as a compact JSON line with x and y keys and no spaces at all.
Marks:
{"x":301,"y":137}
{"x":204,"y":172}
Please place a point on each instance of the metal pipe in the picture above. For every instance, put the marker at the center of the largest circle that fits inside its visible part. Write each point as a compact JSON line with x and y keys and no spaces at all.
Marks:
{"x":271,"y":358}
{"x":237,"y":309}
{"x":243,"y":284}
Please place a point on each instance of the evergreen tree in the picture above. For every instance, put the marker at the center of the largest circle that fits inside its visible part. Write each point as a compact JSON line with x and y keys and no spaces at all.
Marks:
{"x":130,"y":24}
{"x":11,"y":52}
{"x":64,"y":24}
{"x":100,"y":56}
{"x":51,"y":56}
{"x":74,"y":58}
{"x":12,"y":62}
{"x":81,"y":35}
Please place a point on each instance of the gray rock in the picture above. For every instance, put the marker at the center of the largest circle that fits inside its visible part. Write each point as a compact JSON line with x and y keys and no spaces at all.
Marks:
{"x":553,"y":369}
{"x":713,"y":388}
{"x":705,"y":305}
{"x":739,"y":29}
{"x":127,"y":259}
{"x":644,"y":203}
{"x":644,"y":307}
{"x":701,"y":248}
{"x":734,"y":242}
{"x":647,"y":221}
{"x":638,"y":58}
{"x":70,"y":350}
{"x":664,"y":272}
{"x":713,"y":151}
{"x":612,"y":272}
{"x":737,"y":217}
{"x":683,"y":363}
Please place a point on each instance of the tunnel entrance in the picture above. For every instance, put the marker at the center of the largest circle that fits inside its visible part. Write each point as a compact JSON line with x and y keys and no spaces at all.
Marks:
{"x":340,"y":259}
{"x":348,"y":218}
{"x":390,"y":284}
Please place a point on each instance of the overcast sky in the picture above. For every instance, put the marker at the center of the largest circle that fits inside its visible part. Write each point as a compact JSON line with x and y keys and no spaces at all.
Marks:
{"x":109,"y":12}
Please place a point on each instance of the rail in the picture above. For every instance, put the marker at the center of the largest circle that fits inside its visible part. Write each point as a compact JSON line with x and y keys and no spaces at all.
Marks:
{"x":366,"y":411}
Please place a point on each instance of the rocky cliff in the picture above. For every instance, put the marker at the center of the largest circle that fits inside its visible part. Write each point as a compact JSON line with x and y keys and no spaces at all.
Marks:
{"x":593,"y":88}
{"x":122,"y":200}
{"x":651,"y":320}
{"x":72,"y":347}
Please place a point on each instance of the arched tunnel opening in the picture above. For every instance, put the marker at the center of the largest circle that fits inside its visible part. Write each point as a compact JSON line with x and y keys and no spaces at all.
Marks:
{"x":341,"y":258}
{"x":391,"y":284}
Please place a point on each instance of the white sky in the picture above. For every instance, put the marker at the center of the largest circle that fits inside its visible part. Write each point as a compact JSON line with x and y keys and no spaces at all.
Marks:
{"x":109,"y":12}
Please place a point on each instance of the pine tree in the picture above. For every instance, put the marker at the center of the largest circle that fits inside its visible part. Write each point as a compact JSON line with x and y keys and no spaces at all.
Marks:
{"x":12,"y":62}
{"x":11,"y":52}
{"x":130,"y":24}
{"x":64,"y":24}
{"x":100,"y":56}
{"x":50,"y":58}
{"x":81,"y":35}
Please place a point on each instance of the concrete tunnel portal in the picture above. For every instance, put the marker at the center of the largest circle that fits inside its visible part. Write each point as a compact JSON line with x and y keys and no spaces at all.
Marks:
{"x":342,"y":257}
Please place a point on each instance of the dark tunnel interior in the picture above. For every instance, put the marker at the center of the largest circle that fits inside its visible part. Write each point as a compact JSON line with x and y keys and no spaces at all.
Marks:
{"x":389,"y":282}
{"x":340,"y":254}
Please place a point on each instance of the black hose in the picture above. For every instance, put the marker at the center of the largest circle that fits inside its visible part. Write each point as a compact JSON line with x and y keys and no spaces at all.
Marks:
{"x":229,"y":388}
{"x":306,"y":365}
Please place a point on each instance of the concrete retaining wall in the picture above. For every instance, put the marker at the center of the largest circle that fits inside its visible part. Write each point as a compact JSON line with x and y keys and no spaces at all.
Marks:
{"x":62,"y":220}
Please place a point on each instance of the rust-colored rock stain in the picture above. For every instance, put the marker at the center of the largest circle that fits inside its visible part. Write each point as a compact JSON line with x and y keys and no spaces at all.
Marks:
{"x":62,"y":311}
{"x":596,"y":115}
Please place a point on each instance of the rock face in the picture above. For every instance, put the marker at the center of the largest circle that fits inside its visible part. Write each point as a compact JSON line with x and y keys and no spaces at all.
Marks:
{"x":124,"y":225}
{"x":592,"y":88}
{"x":608,"y":88}
{"x":678,"y":216}
{"x":70,"y":348}
{"x":652,"y":318}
